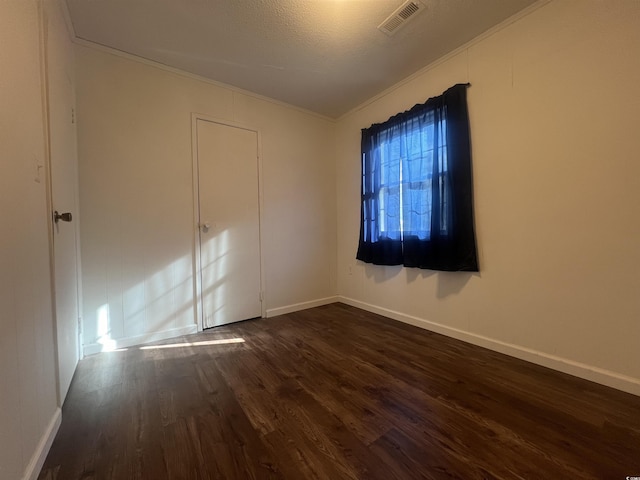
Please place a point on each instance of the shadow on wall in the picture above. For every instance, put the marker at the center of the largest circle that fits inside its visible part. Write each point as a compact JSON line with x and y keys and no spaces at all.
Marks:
{"x":381,"y":273}
{"x":452,"y":283}
{"x":448,"y":283}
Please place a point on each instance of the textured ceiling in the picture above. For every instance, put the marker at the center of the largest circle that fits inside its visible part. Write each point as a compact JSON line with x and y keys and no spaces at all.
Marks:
{"x":326,"y":56}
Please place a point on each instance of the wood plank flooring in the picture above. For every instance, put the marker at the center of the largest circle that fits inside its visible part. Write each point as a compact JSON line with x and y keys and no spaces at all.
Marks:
{"x":336,"y":393}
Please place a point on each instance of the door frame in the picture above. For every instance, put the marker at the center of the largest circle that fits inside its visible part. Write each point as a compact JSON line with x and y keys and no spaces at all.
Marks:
{"x":197,"y":273}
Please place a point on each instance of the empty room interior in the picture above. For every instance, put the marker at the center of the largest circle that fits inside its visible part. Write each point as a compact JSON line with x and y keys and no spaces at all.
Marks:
{"x":319,"y":239}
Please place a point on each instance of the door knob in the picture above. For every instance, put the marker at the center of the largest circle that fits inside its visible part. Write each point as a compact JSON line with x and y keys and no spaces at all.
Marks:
{"x":65,"y":217}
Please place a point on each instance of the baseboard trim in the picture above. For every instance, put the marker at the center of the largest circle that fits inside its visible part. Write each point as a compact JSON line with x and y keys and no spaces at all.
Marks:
{"x":44,"y":445}
{"x":296,"y":307}
{"x":577,"y":369}
{"x":93,"y":348}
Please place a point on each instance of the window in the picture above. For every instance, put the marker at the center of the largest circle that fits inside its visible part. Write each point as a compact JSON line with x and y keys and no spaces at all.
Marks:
{"x":416,"y":188}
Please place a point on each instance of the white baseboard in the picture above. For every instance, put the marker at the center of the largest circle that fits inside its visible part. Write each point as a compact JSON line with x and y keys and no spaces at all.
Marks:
{"x":274,"y":312}
{"x":577,"y":369}
{"x":44,"y":445}
{"x":93,"y":348}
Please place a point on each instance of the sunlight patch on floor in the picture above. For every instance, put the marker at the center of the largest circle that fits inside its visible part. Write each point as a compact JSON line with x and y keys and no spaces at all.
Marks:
{"x":223,"y":341}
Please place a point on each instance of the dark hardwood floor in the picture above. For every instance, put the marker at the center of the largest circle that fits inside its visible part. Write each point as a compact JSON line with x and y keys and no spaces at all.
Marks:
{"x":337,"y":393}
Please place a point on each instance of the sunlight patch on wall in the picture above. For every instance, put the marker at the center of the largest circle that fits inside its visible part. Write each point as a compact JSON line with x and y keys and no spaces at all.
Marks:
{"x":161,"y":301}
{"x":214,"y":269}
{"x":104,"y":329}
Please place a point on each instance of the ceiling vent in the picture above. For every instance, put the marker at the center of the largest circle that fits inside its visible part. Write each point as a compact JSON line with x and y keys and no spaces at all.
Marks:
{"x":401,"y":16}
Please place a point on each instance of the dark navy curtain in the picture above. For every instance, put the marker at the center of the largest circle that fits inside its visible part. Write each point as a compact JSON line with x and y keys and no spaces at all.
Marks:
{"x":417,"y":198}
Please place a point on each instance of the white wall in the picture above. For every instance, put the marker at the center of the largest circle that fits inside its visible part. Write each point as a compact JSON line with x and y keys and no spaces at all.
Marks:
{"x":29,"y":414}
{"x":137,"y":234}
{"x":554,"y":107}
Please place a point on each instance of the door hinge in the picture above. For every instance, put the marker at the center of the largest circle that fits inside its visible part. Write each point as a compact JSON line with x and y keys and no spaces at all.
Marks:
{"x":261,"y":296}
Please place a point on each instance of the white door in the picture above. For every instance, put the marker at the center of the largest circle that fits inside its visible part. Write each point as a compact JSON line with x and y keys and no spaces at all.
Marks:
{"x":229,"y":223}
{"x":64,"y":193}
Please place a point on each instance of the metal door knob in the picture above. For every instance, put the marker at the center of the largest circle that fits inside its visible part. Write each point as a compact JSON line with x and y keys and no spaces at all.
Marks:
{"x":65,"y":217}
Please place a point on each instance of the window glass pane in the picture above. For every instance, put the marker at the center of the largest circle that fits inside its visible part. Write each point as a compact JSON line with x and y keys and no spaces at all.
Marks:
{"x":406,"y":158}
{"x":389,"y":211}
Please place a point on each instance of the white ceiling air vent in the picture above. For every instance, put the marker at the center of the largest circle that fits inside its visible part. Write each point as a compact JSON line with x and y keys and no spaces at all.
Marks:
{"x":401,"y":16}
